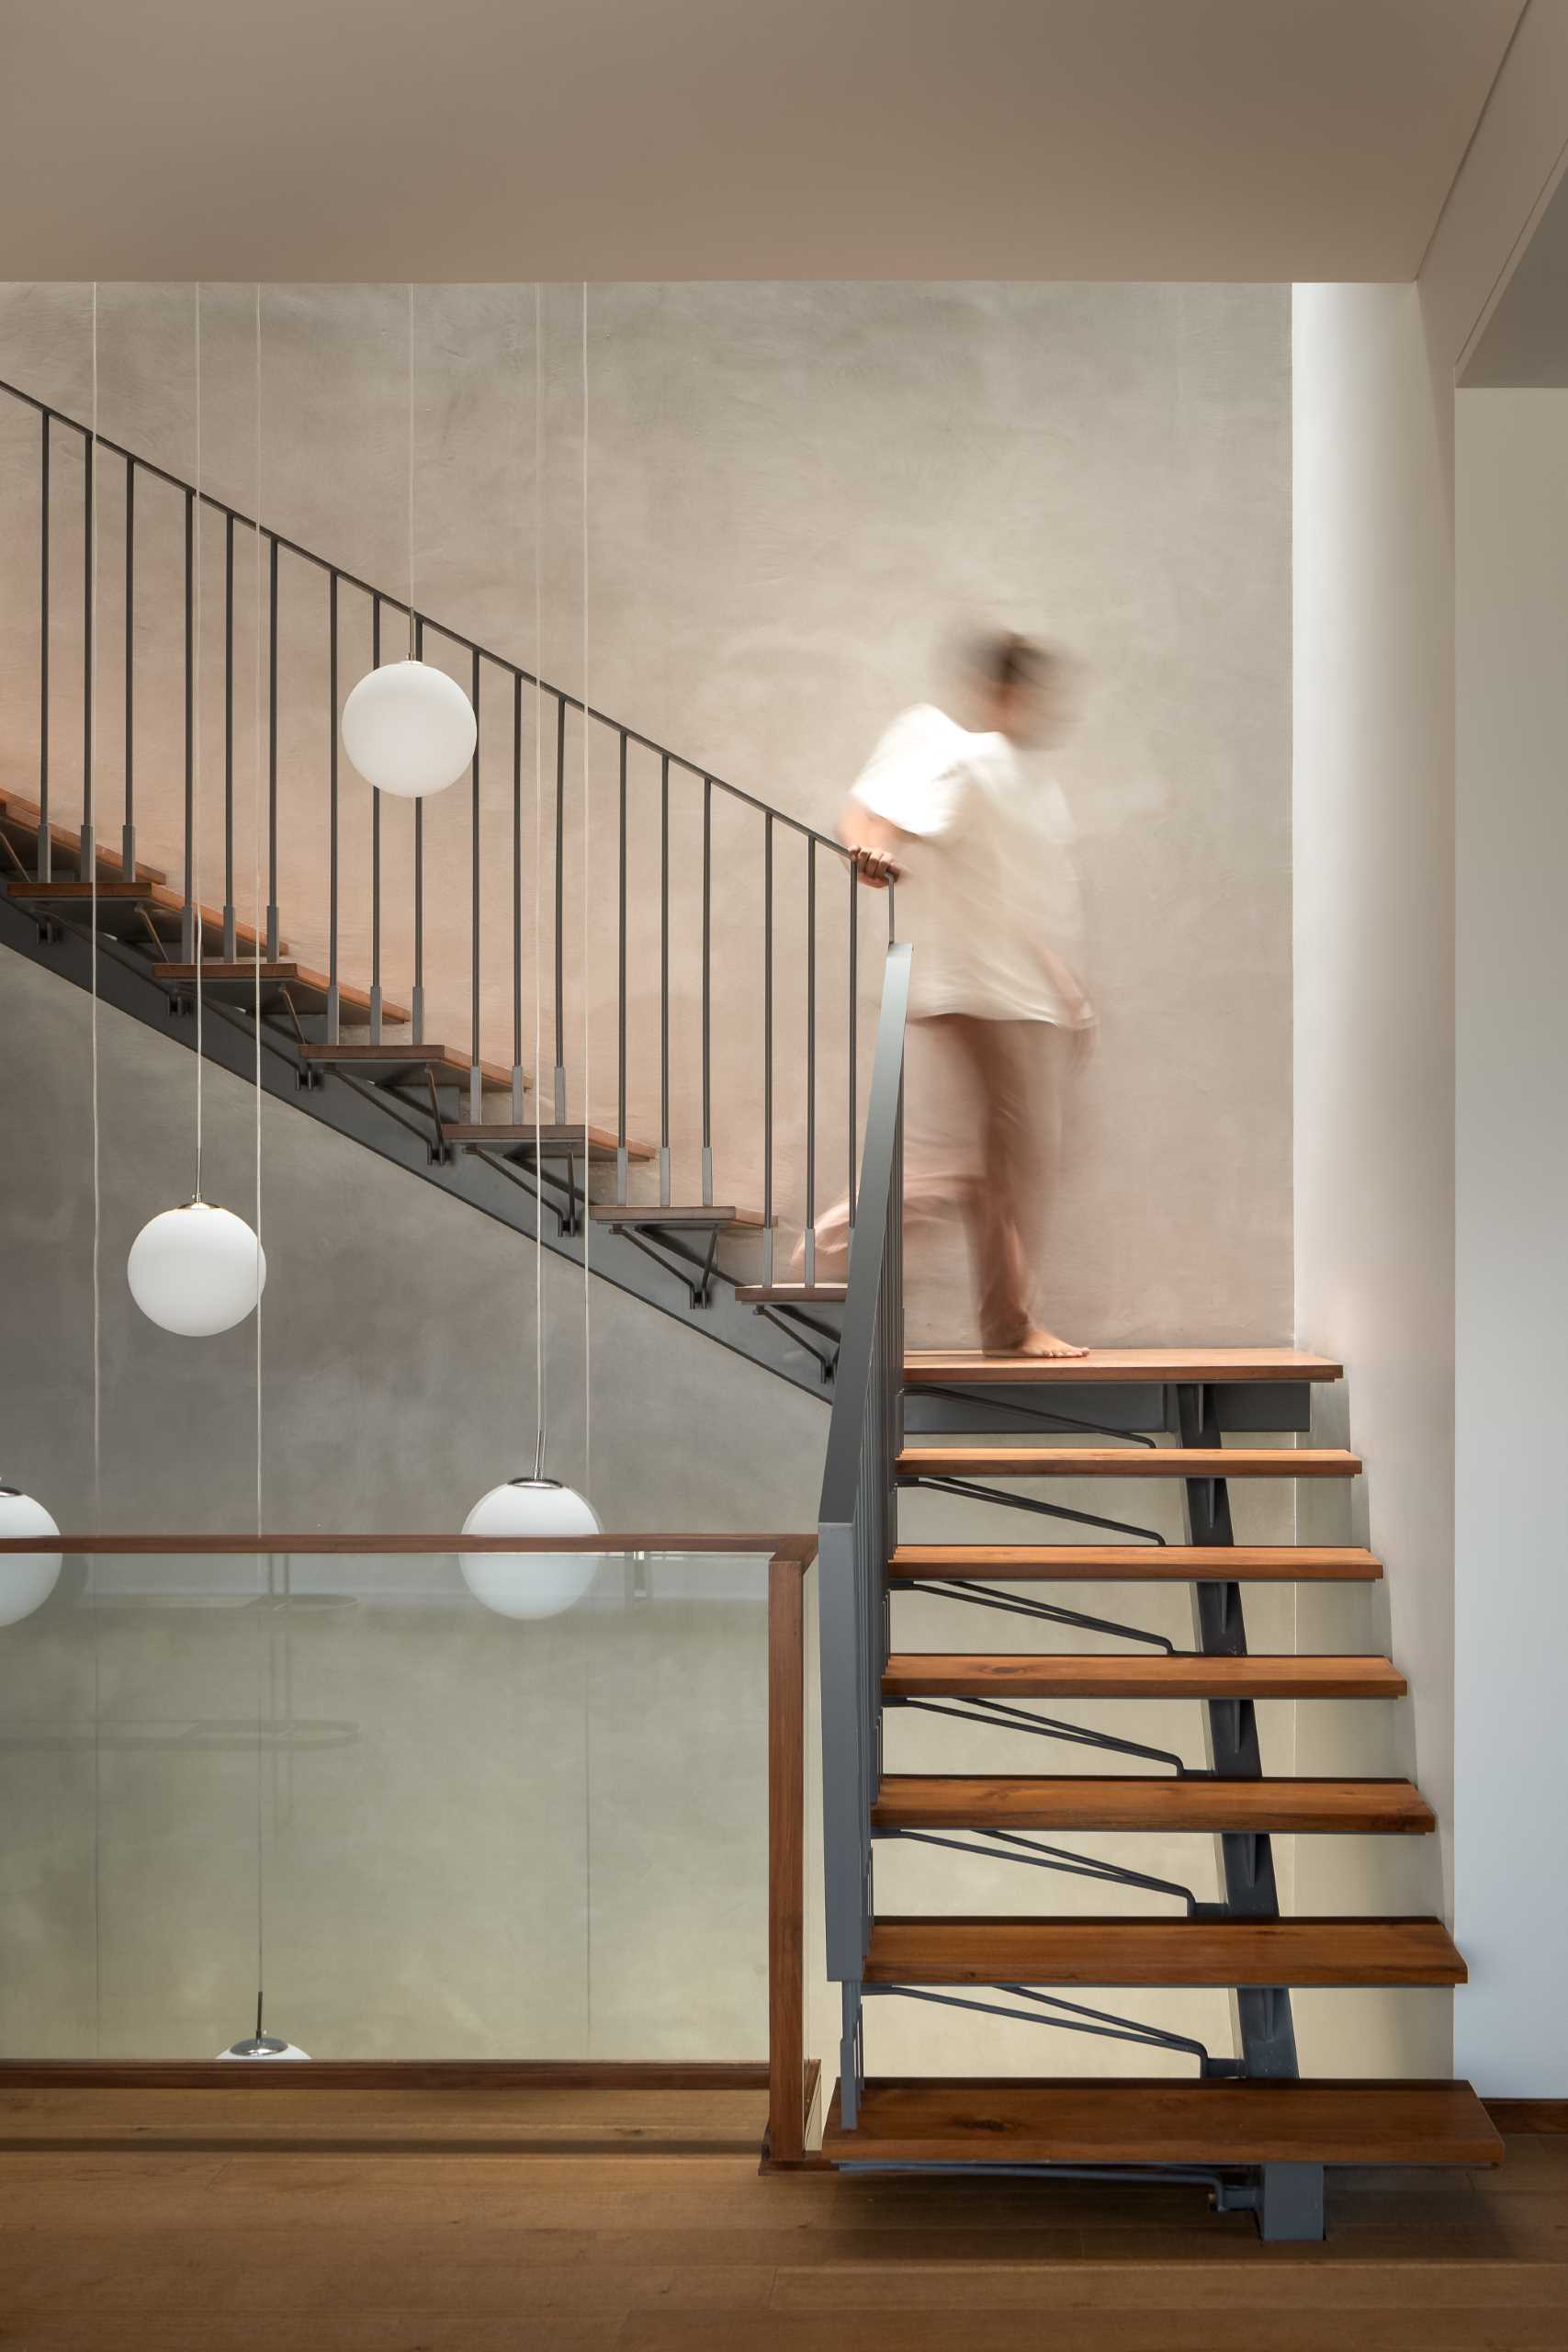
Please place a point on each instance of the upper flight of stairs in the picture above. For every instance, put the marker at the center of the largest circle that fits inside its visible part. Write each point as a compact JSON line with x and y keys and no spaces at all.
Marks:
{"x":1249,"y":2120}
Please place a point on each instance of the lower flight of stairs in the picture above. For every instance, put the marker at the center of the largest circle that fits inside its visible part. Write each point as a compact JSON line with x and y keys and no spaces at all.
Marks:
{"x":1247,"y":2125}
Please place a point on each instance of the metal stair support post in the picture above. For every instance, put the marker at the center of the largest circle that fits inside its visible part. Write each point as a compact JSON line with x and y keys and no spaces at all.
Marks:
{"x":859,"y":1530}
{"x":1265,"y":2029}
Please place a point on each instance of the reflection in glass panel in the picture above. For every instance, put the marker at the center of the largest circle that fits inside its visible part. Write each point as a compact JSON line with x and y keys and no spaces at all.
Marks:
{"x":428,"y":1829}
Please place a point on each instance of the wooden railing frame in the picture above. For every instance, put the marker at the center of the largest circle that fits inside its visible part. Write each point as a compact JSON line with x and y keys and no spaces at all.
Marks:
{"x":792,"y":2075}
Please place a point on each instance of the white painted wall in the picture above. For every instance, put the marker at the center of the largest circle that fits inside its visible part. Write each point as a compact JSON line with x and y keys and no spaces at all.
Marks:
{"x":1374,"y":1045}
{"x":1511,"y":1601}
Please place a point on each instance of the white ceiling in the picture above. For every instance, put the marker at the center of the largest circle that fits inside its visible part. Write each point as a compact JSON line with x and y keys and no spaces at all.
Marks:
{"x":622,"y":139}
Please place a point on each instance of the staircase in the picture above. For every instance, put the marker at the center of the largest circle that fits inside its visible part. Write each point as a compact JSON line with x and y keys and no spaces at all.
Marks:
{"x":666,"y":1213}
{"x":1247,"y":2126}
{"x":683,"y":862}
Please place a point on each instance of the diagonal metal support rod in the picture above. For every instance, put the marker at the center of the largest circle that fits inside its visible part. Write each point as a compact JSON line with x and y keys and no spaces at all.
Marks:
{"x":1077,"y":2019}
{"x":997,"y":1715}
{"x":1011,"y":1846}
{"x":675,"y":1258}
{"x":986,"y":1596}
{"x":806,"y":1334}
{"x":971,"y":1491}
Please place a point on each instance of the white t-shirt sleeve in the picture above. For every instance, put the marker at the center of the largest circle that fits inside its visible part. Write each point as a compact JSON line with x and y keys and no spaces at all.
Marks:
{"x":917,"y":778}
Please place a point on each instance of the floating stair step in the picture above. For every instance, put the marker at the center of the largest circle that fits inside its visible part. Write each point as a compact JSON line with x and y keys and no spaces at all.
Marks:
{"x":700,"y":1214}
{"x":1127,"y":1462}
{"x":124,"y":908}
{"x":1143,"y":1802}
{"x":281,"y":984}
{"x":1072,"y":2120}
{"x":1147,"y":1674}
{"x":801,"y":1294}
{"x":1134,"y":1563}
{"x":554,"y":1141}
{"x":391,"y":1064}
{"x":1162,"y":1952}
{"x":969,"y":1367}
{"x":20,"y":816}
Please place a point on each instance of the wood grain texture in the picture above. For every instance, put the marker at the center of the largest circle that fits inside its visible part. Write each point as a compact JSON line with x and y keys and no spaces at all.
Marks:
{"x":1127,"y":1462}
{"x":1138,"y":1563}
{"x":939,"y":1367}
{"x":441,"y":1061}
{"x":786,"y":1862}
{"x":1162,"y":1952}
{"x":309,"y":990}
{"x":1161,"y":2121}
{"x":1154,"y":1675}
{"x":1093,"y":1800}
{"x":795,"y":1547}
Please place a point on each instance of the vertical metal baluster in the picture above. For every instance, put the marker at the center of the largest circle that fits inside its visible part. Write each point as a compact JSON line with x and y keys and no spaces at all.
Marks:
{"x":45,"y":845}
{"x":229,"y":942}
{"x":708,"y":991}
{"x":128,"y":831}
{"x":334,"y":1001}
{"x":517,"y":898}
{"x":809,"y":1238}
{"x":767,"y":1047}
{"x":188,"y":925}
{"x":272,"y":934}
{"x":417,"y":1001}
{"x":623,"y":1157}
{"x":560,"y":908}
{"x":87,"y":859}
{"x":664,"y":979}
{"x":855,"y":1034}
{"x":476,"y":1081}
{"x":375,"y":855}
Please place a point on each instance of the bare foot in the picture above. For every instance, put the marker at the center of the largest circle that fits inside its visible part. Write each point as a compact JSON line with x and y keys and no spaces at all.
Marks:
{"x":1037,"y":1341}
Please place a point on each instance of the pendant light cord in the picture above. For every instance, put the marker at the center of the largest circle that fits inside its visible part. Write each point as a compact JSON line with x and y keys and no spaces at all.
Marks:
{"x":91,"y":841}
{"x":587,"y":992}
{"x":264,"y":1668}
{"x":539,"y":1392}
{"x":194,"y":878}
{"x":410,"y":467}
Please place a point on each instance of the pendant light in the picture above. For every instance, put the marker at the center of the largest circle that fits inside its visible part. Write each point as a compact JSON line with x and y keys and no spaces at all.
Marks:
{"x":27,"y":1578}
{"x":197,"y":1270}
{"x":408,"y":728}
{"x":259,"y":2044}
{"x":531,"y":1585}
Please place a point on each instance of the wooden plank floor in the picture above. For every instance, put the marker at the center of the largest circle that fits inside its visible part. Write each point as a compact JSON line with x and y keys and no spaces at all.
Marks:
{"x":119,"y":2235}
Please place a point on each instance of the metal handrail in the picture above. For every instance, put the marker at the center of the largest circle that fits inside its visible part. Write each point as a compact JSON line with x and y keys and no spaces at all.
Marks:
{"x":858,"y":1524}
{"x":341,"y":573}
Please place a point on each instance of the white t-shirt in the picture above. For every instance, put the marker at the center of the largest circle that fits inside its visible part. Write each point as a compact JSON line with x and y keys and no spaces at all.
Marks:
{"x":987,"y":878}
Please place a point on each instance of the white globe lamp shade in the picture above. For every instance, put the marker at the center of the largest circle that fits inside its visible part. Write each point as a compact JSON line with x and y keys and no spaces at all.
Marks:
{"x":530,"y":1584}
{"x":409,"y":729}
{"x":197,"y":1270}
{"x":264,"y":2046}
{"x":27,"y":1578}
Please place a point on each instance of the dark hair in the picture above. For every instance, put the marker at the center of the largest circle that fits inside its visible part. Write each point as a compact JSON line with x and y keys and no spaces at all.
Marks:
{"x":1005,"y":660}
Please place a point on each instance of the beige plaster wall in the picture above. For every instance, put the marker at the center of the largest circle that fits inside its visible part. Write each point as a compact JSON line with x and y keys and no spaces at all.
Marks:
{"x":796,"y":496}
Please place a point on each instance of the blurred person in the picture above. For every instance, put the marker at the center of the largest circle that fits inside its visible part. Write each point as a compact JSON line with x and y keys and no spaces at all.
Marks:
{"x":977,"y":831}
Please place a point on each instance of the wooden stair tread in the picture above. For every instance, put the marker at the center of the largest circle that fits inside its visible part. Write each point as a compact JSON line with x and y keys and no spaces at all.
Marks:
{"x":1116,"y":1952}
{"x":1071,"y":2120}
{"x":694,"y":1214}
{"x":970,"y":1367}
{"x":1127,"y":1462}
{"x":1136,"y":1563}
{"x":441,"y":1061}
{"x":791,"y":1294}
{"x":1144,"y":1802}
{"x":553,"y":1137}
{"x":313,"y":987}
{"x":71,"y":892}
{"x":1149,"y":1675}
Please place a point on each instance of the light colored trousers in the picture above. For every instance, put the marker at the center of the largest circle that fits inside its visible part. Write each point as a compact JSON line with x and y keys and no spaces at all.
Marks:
{"x":983,"y":1138}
